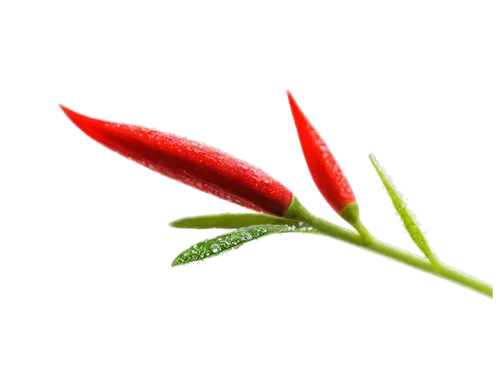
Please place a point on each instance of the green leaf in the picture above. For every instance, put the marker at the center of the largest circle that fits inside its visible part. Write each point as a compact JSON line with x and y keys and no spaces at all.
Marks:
{"x":232,"y":240}
{"x":229,"y":221}
{"x":408,"y":220}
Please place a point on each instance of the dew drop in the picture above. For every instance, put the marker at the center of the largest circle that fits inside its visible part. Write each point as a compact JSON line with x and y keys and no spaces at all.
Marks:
{"x":215,"y":248}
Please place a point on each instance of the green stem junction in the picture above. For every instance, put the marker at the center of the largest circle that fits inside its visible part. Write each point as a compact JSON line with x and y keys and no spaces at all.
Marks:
{"x":299,"y":212}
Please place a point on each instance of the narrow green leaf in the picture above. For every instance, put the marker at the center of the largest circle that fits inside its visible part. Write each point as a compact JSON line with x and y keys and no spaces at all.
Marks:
{"x":408,"y":220}
{"x":229,"y":221}
{"x":232,"y":240}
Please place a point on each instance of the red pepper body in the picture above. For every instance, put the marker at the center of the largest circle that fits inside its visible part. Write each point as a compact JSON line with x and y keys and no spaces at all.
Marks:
{"x":324,"y":169}
{"x":192,"y":163}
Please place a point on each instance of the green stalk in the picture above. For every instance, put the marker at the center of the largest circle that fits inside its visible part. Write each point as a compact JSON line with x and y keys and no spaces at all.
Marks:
{"x":298,"y":211}
{"x":350,"y":213}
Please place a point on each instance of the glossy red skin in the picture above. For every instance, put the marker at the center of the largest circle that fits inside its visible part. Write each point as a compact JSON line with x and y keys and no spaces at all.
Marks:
{"x":324,"y":169}
{"x":192,"y":163}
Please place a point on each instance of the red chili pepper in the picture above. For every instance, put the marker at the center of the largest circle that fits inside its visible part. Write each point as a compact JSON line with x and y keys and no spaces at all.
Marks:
{"x":324,"y":169}
{"x":192,"y":163}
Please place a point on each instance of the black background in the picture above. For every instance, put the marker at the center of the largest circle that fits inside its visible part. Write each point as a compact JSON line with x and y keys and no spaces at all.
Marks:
{"x":426,"y":121}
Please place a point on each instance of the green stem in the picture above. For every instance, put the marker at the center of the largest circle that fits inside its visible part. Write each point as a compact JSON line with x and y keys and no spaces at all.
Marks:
{"x":367,"y":236}
{"x":350,"y":213}
{"x":300,"y":212}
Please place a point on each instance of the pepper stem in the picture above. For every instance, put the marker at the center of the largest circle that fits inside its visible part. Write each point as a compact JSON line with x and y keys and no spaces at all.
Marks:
{"x":350,"y":213}
{"x":298,"y":212}
{"x":358,"y":225}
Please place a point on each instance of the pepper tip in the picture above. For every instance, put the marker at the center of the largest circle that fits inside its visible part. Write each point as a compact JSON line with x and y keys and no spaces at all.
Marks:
{"x":288,"y":91}
{"x":59,"y":106}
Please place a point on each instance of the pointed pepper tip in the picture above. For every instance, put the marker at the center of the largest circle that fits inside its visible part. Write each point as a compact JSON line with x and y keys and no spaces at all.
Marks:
{"x":288,"y":93}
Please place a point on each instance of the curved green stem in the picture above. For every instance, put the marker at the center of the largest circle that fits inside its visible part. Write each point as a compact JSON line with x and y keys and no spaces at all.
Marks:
{"x":300,"y":212}
{"x":350,"y":213}
{"x":359,"y":226}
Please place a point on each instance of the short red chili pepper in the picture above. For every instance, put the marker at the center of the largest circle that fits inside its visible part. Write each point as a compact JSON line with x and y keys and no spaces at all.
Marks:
{"x":324,"y":169}
{"x":192,"y":163}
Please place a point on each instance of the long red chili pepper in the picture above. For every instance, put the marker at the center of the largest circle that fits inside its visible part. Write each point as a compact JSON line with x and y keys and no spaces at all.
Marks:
{"x":324,"y":168}
{"x":192,"y":163}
